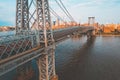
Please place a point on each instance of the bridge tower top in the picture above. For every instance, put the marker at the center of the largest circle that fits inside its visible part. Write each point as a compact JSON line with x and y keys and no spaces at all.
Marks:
{"x":38,"y":18}
{"x":91,"y":21}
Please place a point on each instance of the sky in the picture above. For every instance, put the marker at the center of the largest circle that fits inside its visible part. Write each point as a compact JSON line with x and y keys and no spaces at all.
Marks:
{"x":104,"y":11}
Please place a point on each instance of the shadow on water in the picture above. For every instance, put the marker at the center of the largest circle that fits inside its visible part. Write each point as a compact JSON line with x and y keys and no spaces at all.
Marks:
{"x":96,"y":59}
{"x":70,"y":69}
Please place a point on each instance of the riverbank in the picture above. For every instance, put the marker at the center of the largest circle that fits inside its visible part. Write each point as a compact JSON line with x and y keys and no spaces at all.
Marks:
{"x":108,"y":34}
{"x":6,"y":28}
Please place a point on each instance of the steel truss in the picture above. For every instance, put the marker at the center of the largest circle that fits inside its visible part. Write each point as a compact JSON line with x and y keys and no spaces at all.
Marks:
{"x":46,"y":62}
{"x":45,"y":39}
{"x":22,"y":16}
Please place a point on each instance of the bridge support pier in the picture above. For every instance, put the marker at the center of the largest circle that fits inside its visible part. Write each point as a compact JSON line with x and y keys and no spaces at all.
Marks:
{"x":43,"y":67}
{"x":46,"y":66}
{"x":91,"y":34}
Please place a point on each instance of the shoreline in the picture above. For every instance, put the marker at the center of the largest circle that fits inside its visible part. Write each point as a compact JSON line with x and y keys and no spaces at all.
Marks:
{"x":4,"y":29}
{"x":107,"y":35}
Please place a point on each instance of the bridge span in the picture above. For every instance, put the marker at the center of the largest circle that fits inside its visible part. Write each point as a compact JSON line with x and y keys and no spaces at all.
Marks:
{"x":18,"y":50}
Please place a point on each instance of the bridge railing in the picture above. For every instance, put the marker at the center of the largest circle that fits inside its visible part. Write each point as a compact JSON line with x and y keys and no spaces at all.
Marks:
{"x":14,"y":44}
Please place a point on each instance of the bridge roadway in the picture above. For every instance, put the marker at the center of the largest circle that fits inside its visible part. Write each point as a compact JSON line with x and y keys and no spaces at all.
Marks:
{"x":18,"y":50}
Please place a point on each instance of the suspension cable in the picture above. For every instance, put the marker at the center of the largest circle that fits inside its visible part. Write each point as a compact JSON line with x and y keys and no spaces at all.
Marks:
{"x":63,"y":10}
{"x":66,"y":10}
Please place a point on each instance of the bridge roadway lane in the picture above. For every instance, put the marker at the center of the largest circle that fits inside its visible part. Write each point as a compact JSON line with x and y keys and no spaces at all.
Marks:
{"x":16,"y":60}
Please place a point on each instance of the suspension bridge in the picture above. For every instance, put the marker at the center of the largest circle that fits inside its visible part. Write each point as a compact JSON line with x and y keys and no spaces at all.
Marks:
{"x":35,"y":38}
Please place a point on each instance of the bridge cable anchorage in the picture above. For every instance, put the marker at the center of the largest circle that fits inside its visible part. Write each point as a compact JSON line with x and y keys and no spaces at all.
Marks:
{"x":64,"y":10}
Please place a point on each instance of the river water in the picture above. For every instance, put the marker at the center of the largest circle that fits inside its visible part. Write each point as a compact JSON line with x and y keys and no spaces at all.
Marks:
{"x":95,"y":59}
{"x":80,"y":59}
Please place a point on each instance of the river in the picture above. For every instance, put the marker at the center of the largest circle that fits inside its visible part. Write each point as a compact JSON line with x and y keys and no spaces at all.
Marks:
{"x":95,"y":59}
{"x":80,"y":59}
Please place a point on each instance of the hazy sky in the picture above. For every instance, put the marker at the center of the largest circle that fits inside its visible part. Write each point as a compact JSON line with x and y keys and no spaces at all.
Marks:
{"x":105,"y":11}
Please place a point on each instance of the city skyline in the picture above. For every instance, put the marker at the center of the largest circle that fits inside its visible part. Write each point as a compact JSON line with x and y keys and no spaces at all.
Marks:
{"x":105,"y":11}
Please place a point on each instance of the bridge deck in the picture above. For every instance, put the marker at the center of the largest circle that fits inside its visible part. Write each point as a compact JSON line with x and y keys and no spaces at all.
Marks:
{"x":17,"y":50}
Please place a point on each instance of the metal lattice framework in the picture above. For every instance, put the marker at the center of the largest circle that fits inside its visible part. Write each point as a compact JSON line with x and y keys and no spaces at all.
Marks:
{"x":44,"y":30}
{"x":29,"y":14}
{"x":22,"y":15}
{"x":46,"y":62}
{"x":13,"y":45}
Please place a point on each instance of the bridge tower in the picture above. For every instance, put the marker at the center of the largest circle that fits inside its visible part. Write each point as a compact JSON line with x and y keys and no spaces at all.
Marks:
{"x":46,"y":62}
{"x":22,"y":16}
{"x":22,"y":25}
{"x":91,"y":21}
